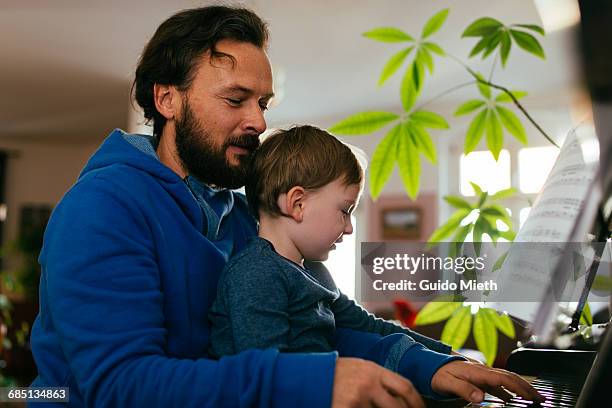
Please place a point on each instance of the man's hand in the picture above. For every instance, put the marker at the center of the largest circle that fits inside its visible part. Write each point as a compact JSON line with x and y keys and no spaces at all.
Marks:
{"x":360,"y":383}
{"x":471,"y":380}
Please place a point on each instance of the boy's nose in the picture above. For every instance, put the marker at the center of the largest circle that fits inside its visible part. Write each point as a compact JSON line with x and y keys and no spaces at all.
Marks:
{"x":348,"y":227}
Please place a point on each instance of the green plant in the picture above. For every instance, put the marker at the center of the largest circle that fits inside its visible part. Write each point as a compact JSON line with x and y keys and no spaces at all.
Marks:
{"x":409,"y":138}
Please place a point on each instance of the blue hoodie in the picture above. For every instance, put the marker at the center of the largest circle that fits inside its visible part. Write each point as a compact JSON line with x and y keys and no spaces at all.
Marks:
{"x":130,"y":264}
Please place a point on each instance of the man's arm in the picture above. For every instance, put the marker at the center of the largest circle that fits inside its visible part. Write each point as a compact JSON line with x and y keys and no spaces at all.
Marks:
{"x":106,"y":304}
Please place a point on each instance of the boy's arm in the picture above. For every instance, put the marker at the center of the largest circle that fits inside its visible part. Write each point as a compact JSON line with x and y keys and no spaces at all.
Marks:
{"x":256,"y":296}
{"x":351,"y":315}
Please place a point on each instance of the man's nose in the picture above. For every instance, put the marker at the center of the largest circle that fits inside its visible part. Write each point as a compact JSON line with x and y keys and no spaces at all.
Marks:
{"x":255,"y":121}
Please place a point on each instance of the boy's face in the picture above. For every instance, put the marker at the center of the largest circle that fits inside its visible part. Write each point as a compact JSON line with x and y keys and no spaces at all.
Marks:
{"x":326,"y":218}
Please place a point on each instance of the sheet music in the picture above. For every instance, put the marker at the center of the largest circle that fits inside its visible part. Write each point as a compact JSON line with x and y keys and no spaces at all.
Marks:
{"x":527,"y":270}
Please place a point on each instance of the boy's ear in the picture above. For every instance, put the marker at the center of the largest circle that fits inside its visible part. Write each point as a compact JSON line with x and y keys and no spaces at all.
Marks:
{"x":167,"y":99}
{"x":291,"y":203}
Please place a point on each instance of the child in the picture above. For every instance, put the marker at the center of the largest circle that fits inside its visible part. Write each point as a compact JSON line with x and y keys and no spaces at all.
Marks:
{"x":303,"y":186}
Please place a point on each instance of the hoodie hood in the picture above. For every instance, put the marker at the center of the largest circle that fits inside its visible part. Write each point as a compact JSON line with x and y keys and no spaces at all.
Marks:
{"x":138,"y":151}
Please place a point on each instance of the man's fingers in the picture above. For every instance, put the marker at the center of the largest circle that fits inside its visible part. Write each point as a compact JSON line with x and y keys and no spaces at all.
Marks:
{"x":383,"y":399}
{"x":403,"y":389}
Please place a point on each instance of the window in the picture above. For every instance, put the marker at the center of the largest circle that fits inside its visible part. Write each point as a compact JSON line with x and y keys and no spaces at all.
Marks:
{"x":482,"y":169}
{"x":534,"y":164}
{"x":525,"y":169}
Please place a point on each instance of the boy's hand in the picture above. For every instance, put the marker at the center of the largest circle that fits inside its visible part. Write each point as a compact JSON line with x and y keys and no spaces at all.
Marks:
{"x":361,"y":383}
{"x":470,"y":359}
{"x":471,"y":380}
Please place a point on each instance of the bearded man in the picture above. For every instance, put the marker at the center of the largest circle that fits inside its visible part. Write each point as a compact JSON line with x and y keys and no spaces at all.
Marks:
{"x":133,"y":252}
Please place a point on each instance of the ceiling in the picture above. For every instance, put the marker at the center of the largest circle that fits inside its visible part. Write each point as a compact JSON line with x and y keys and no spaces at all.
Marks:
{"x":66,"y":66}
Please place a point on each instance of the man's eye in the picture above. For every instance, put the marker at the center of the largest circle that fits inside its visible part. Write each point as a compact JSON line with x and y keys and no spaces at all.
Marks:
{"x":263,"y":107}
{"x":235,"y":102}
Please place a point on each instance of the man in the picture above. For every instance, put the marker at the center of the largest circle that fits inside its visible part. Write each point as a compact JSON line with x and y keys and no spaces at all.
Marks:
{"x":133,"y":251}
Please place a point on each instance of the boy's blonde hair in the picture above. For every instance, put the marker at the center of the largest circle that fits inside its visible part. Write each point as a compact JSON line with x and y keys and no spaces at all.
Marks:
{"x":303,"y":156}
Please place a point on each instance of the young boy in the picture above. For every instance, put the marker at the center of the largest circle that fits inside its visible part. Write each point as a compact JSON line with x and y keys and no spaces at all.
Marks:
{"x":303,"y":186}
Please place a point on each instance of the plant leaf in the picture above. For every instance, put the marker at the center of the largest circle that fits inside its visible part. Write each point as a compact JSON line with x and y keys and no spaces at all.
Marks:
{"x":457,"y":329}
{"x":429,"y":120}
{"x":481,"y":45}
{"x":500,"y":262}
{"x":484,"y":89}
{"x":504,"y":97}
{"x":531,"y":27}
{"x":363,"y":123}
{"x":509,"y":235}
{"x":492,"y":44}
{"x":485,"y":335}
{"x":446,"y":229}
{"x":586,"y":317}
{"x":409,"y":166}
{"x":425,"y":58}
{"x":495,"y":135}
{"x":435,"y":48}
{"x":423,"y":141}
{"x":603,"y":283}
{"x":458,"y":202}
{"x":479,"y":229}
{"x":393,"y":64}
{"x":459,"y":239}
{"x":477,"y":190}
{"x":388,"y":34}
{"x":494,"y":211}
{"x":434,"y":23}
{"x":481,"y":27}
{"x":383,"y":161}
{"x":503,"y":323}
{"x":434,"y":312}
{"x":528,"y":42}
{"x":500,"y":210}
{"x":512,"y":123}
{"x":474,"y":133}
{"x":506,"y":44}
{"x":501,"y":194}
{"x":469,"y":106}
{"x":418,"y":74}
{"x":408,"y":93}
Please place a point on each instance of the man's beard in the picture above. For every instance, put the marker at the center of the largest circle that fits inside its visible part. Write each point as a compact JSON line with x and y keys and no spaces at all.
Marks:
{"x":204,"y":160}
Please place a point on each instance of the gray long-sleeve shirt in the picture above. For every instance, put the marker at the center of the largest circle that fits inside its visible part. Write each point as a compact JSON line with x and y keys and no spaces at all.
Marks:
{"x":265,"y":300}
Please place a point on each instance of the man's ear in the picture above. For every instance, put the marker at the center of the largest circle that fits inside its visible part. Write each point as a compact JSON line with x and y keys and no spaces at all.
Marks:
{"x":291,"y":203}
{"x":167,"y":100}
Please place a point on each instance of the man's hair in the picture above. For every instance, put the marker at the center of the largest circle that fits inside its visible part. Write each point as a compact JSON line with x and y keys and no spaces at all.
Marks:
{"x":171,"y":56}
{"x":303,"y":156}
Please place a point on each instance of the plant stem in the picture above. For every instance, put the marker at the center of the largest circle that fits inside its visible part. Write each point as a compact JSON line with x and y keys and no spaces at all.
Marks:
{"x":493,"y":66}
{"x":453,"y":89}
{"x":507,"y":91}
